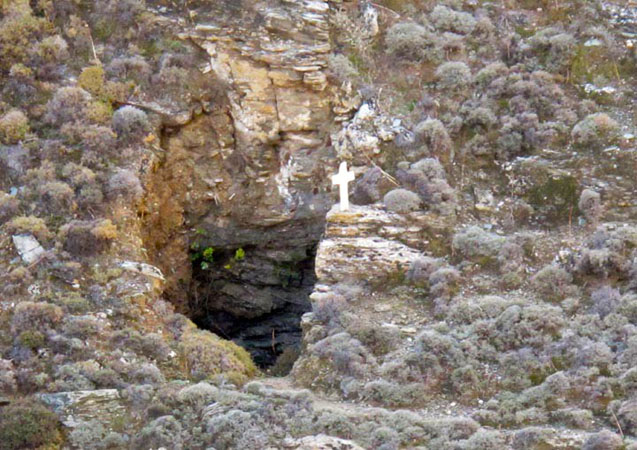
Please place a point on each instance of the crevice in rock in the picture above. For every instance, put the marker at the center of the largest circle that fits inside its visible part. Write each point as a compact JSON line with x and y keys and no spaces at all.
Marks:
{"x":253,"y":295}
{"x":235,"y":201}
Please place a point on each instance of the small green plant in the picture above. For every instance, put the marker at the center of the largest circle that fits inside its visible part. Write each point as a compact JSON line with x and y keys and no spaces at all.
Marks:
{"x":240,"y":254}
{"x":207,"y":256}
{"x":203,"y":257}
{"x":207,"y":253}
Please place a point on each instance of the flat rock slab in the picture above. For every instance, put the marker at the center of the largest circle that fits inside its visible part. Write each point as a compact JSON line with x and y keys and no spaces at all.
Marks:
{"x":321,"y":442}
{"x":28,"y":247}
{"x":143,"y":268}
{"x":74,"y":407}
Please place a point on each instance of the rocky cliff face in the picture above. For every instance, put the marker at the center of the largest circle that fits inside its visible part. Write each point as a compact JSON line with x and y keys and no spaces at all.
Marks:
{"x":251,"y":176}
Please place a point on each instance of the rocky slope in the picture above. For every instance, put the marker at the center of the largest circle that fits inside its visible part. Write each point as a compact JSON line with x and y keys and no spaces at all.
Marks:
{"x":166,"y":189}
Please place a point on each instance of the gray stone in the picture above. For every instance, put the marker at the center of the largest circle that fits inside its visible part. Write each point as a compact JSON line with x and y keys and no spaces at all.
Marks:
{"x":28,"y":247}
{"x":73,"y":407}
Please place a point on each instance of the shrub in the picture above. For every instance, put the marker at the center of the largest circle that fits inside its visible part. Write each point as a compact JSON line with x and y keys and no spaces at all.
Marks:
{"x":410,"y":41}
{"x":533,"y":326}
{"x":421,"y":268}
{"x":401,"y":201}
{"x":90,"y":196}
{"x":53,"y":49}
{"x":553,"y":283}
{"x":19,"y":30}
{"x":206,"y":355}
{"x":430,"y":168}
{"x":453,"y":75}
{"x":237,"y":429}
{"x":92,"y":80}
{"x":32,"y":339}
{"x":130,"y":123}
{"x":14,"y":126}
{"x":163,"y":432}
{"x":433,"y":133}
{"x":285,"y":361}
{"x":100,"y":112}
{"x":8,"y":207}
{"x":595,"y":130}
{"x":133,"y":67}
{"x":605,"y":300}
{"x":56,"y":196}
{"x":385,"y":438}
{"x":474,"y":242}
{"x":198,"y":395}
{"x":78,"y":175}
{"x":341,"y":68}
{"x":126,"y":184}
{"x":345,"y":354}
{"x":380,"y":340}
{"x":510,"y":257}
{"x":561,"y":51}
{"x":148,"y":374}
{"x":484,"y":440}
{"x":471,"y":309}
{"x":590,"y":204}
{"x":88,"y":435}
{"x":86,"y":238}
{"x":533,"y":438}
{"x":27,"y":424}
{"x":479,"y":116}
{"x":628,"y":307}
{"x":490,"y":72}
{"x":371,"y":187}
{"x":449,"y":20}
{"x":327,"y":309}
{"x":29,"y":225}
{"x":593,"y":354}
{"x":67,"y":105}
{"x":604,"y":440}
{"x":443,"y":282}
{"x":627,"y":415}
{"x":96,"y":138}
{"x":427,"y":178}
{"x":75,"y":376}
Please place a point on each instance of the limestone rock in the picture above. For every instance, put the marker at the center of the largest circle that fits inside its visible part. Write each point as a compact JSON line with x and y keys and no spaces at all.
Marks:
{"x":350,"y":251}
{"x":143,"y":268}
{"x":360,"y":138}
{"x":73,"y":407}
{"x":321,"y":442}
{"x":28,"y":247}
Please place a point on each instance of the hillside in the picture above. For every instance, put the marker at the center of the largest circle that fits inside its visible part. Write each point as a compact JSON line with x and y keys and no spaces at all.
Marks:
{"x":176,"y":271}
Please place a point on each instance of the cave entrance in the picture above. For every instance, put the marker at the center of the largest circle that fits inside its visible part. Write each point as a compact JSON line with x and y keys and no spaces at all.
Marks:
{"x":254,"y":296}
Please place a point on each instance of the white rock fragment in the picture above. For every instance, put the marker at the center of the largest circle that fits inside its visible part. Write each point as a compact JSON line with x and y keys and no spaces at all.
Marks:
{"x":28,"y":247}
{"x":593,"y":42}
{"x":588,"y":87}
{"x":143,"y":268}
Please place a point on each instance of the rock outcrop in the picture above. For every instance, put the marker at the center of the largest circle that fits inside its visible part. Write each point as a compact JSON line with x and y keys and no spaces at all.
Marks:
{"x":251,"y":173}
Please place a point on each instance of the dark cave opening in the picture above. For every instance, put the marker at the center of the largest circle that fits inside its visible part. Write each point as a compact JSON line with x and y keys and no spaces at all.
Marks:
{"x":254,"y":296}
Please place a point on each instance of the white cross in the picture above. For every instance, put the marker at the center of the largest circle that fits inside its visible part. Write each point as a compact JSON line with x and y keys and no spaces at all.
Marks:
{"x":342,"y":178}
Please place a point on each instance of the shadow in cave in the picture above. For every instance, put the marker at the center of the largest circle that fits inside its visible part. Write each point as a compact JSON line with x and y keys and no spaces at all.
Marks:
{"x":253,"y":296}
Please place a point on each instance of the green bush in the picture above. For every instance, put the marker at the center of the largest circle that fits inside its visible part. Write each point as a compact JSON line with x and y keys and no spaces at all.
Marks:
{"x":27,"y":424}
{"x":14,"y":126}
